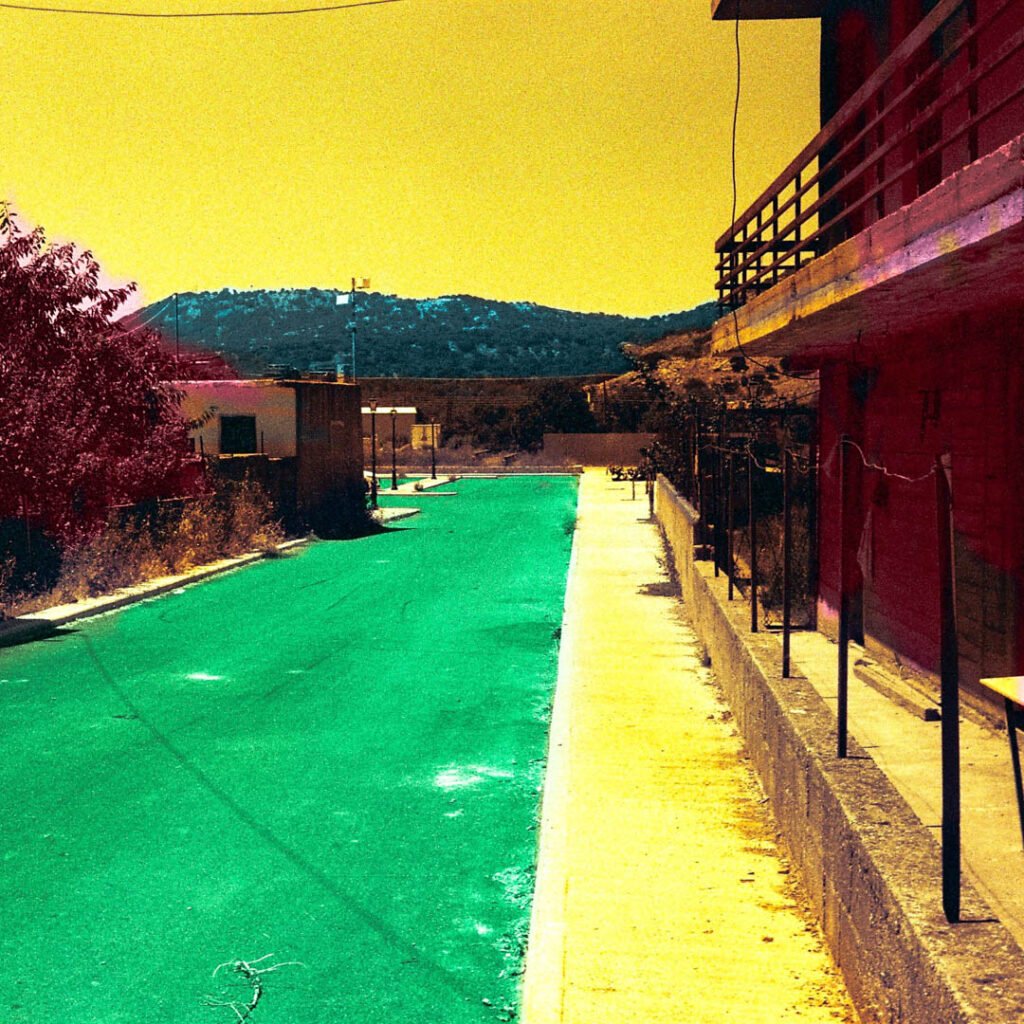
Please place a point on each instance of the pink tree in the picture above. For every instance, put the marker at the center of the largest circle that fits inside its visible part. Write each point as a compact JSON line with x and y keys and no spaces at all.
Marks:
{"x":87,"y":416}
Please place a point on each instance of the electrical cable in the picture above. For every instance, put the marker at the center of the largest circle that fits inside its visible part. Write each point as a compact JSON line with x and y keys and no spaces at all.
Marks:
{"x":39,"y":9}
{"x":732,"y":221}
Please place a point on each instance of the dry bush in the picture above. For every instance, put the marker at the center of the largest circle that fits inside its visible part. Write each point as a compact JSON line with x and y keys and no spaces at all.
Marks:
{"x":171,"y":540}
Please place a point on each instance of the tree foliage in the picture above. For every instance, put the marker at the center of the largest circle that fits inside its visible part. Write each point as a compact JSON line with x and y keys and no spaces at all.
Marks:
{"x":87,"y":416}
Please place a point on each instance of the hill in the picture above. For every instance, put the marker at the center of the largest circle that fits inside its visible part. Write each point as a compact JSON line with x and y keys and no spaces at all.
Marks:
{"x":450,"y":336}
{"x":682,"y":365}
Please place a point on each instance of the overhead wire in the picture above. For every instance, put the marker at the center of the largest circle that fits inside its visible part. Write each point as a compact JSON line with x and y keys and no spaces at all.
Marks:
{"x":328,"y":8}
{"x":735,"y":195}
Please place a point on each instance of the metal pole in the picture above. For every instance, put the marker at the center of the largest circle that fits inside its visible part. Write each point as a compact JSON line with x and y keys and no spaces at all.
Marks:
{"x":394,"y":471}
{"x":844,"y":604}
{"x":950,"y":699}
{"x":352,"y":326}
{"x":730,"y":519}
{"x":752,"y":530}
{"x":714,"y":501}
{"x":720,"y":496}
{"x":787,"y":555}
{"x":698,"y":488}
{"x":373,"y":455}
{"x":433,"y":451}
{"x":812,"y":531}
{"x":177,"y":346}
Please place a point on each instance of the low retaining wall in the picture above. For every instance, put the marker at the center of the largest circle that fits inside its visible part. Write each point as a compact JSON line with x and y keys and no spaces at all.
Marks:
{"x":871,"y":869}
{"x":596,"y":449}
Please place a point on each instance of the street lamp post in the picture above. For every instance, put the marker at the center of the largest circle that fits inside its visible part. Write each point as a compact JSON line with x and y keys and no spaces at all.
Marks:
{"x":373,"y":453}
{"x":394,"y":471}
{"x":433,"y":451}
{"x":350,"y":301}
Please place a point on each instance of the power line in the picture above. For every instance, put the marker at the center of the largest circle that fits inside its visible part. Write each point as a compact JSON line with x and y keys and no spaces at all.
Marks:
{"x":735,"y":121}
{"x":38,"y":9}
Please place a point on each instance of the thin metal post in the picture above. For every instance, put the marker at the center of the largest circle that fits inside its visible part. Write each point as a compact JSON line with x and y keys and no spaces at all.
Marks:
{"x":752,"y":526}
{"x":812,"y":531}
{"x":949,"y":697}
{"x":394,"y":471}
{"x":433,"y":450}
{"x":373,"y":454}
{"x":787,"y":555}
{"x":1013,"y":722}
{"x":698,"y":482}
{"x":730,"y":517}
{"x":716,"y":520}
{"x":352,"y":327}
{"x":844,"y":603}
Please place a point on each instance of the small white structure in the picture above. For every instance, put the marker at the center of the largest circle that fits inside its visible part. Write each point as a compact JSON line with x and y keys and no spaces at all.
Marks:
{"x":240,"y":417}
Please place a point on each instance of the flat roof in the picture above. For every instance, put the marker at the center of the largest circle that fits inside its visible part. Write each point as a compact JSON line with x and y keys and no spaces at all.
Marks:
{"x":763,"y":10}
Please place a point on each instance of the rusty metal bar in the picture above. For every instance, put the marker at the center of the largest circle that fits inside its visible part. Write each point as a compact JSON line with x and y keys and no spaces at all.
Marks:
{"x":787,"y":555}
{"x":730,"y":516}
{"x":844,"y":602}
{"x":949,"y":669}
{"x":752,"y":533}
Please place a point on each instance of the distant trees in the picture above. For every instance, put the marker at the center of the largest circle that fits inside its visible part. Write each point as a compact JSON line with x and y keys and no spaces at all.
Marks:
{"x":452,"y":336}
{"x":87,"y":416}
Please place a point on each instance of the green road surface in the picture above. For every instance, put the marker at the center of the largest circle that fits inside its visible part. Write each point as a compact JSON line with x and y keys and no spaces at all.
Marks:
{"x":331,"y":758}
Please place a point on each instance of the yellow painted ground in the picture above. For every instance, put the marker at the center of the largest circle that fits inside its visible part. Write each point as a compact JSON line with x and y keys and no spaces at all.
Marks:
{"x":661,"y":895}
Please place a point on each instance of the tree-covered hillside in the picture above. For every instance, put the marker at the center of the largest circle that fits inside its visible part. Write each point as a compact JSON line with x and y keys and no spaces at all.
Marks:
{"x":451,"y":336}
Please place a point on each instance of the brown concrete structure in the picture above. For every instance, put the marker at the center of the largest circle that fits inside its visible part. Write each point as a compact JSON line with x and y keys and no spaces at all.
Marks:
{"x":301,"y":439}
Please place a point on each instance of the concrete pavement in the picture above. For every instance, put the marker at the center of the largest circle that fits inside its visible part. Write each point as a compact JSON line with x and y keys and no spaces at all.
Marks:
{"x":661,"y":893}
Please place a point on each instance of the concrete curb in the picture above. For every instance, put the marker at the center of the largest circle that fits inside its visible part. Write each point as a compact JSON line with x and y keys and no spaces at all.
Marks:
{"x":383,"y":516}
{"x":46,"y":622}
{"x":871,"y":869}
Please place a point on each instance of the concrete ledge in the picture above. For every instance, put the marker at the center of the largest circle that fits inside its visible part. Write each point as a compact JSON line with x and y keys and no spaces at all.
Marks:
{"x":46,"y":622}
{"x":871,"y":869}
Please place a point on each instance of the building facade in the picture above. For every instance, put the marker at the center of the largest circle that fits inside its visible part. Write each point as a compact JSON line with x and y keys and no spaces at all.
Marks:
{"x":887,"y":259}
{"x":301,"y":438}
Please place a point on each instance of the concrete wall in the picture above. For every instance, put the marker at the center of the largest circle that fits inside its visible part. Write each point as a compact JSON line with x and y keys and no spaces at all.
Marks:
{"x":271,"y":403}
{"x":596,"y":449}
{"x":871,"y":869}
{"x":405,"y":420}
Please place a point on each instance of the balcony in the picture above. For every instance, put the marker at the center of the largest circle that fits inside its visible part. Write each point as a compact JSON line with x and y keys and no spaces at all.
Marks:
{"x":951,"y":93}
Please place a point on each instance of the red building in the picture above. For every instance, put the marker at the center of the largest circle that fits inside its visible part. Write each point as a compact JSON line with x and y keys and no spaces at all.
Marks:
{"x":888,"y":257}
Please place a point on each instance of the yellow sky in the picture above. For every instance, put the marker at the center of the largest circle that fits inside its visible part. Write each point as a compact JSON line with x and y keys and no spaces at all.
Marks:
{"x":568,"y":152}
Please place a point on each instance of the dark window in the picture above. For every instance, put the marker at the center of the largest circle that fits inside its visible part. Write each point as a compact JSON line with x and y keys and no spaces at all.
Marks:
{"x":237,"y":435}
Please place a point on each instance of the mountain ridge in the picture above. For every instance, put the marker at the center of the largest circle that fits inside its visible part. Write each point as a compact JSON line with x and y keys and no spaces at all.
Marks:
{"x":444,"y":336}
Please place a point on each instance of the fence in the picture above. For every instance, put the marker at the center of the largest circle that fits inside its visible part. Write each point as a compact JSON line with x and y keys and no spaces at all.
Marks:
{"x":951,"y":91}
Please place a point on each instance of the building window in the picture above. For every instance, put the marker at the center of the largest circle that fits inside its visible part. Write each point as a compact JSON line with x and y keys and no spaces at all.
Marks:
{"x":237,"y":435}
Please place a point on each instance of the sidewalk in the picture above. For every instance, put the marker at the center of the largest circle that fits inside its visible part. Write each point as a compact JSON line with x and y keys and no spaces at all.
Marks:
{"x":907,"y":749}
{"x":661,"y":895}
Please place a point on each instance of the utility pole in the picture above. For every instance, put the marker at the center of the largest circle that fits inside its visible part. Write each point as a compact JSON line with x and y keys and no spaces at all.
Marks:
{"x":350,"y":300}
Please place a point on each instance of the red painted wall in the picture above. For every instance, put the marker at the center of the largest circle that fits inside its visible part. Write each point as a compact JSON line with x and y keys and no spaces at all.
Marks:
{"x":961,"y":393}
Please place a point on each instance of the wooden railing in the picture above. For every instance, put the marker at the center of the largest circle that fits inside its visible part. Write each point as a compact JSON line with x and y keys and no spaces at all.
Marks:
{"x":950,"y":92}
